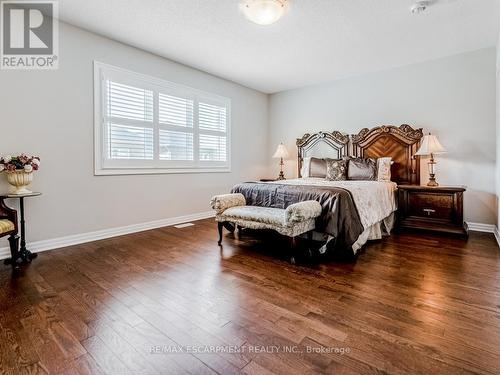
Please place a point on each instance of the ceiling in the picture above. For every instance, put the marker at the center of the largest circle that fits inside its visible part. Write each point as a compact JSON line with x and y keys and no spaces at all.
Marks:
{"x":316,"y":41}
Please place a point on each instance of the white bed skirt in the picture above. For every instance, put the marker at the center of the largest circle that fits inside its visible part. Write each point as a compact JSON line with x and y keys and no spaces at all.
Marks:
{"x":374,"y":232}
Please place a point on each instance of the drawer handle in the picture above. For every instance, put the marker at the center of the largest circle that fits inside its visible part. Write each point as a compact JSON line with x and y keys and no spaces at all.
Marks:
{"x":429,"y":211}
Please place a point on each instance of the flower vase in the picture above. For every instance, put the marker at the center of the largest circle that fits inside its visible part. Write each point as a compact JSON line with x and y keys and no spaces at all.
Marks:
{"x":19,"y":180}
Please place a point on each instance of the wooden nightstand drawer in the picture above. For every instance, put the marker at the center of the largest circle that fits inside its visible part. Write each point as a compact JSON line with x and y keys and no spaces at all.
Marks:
{"x":431,"y":205}
{"x":438,"y":209}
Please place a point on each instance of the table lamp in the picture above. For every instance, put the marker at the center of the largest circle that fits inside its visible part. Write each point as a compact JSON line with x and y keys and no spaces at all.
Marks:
{"x":281,"y":153}
{"x":431,"y":146}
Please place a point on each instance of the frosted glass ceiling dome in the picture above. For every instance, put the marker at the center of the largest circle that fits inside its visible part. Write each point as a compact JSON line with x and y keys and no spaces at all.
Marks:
{"x":264,"y":12}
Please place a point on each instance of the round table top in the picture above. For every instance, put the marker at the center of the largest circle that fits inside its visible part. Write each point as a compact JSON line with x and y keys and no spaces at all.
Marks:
{"x":32,"y":194}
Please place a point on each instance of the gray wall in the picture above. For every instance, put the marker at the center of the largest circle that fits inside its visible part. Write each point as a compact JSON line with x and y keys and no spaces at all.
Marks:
{"x":50,"y":113}
{"x":452,"y":97}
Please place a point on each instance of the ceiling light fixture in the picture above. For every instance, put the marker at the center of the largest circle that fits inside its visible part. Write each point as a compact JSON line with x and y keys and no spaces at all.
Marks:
{"x":264,"y":12}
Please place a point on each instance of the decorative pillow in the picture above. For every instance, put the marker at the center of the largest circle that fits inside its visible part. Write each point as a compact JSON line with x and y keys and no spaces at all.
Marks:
{"x":384,"y":169}
{"x":336,"y":169}
{"x":361,"y":169}
{"x":317,"y":168}
{"x":306,"y":163}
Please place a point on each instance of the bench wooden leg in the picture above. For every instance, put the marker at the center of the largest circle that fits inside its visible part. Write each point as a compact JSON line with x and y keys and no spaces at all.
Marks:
{"x":293,"y":245}
{"x":309,"y":244}
{"x":220,"y":225}
{"x":295,"y":248}
{"x":224,"y":224}
{"x":228,"y":226}
{"x":310,"y":237}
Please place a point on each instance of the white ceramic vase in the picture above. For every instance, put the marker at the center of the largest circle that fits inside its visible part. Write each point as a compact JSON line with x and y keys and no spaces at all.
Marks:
{"x":19,"y":180}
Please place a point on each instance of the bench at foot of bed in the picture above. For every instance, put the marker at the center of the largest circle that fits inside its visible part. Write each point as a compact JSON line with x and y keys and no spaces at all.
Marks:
{"x":296,"y":219}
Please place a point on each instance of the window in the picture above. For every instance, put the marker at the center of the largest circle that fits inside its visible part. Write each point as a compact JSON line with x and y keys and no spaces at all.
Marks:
{"x":147,"y":125}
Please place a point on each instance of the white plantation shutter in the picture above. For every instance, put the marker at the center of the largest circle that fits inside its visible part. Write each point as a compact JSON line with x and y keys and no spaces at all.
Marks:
{"x":176,"y":145}
{"x":176,"y":111}
{"x":146,"y":125}
{"x":212,"y":148}
{"x":212,"y":117}
{"x":129,"y":120}
{"x":130,"y":142}
{"x":212,"y":127}
{"x":176,"y":114}
{"x":129,"y":102}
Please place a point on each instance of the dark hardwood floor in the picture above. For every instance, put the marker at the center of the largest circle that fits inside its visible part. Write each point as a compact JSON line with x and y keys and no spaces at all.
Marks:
{"x":410,"y":304}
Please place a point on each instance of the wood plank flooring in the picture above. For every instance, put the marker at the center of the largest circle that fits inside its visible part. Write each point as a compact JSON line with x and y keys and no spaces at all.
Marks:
{"x":170,"y":301}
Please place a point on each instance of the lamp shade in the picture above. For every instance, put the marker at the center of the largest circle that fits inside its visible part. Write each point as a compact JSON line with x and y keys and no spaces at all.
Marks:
{"x":281,"y":152}
{"x":430,"y":145}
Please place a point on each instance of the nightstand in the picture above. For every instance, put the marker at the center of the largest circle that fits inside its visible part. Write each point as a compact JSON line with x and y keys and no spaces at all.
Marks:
{"x":436,"y":209}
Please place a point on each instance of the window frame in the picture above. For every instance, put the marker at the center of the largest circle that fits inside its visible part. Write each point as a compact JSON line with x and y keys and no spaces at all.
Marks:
{"x":106,"y":166}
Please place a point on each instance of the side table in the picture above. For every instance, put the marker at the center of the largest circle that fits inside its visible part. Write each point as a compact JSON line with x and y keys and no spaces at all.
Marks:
{"x":24,"y":254}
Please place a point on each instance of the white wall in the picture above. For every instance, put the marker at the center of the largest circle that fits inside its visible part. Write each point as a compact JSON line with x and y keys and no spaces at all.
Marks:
{"x":452,"y":97}
{"x":50,"y":113}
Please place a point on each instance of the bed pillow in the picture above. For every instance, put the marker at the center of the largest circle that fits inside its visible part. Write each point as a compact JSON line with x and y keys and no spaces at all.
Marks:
{"x":306,"y":163}
{"x":384,"y":169}
{"x":317,"y":168}
{"x":362,"y":169}
{"x":336,"y":170}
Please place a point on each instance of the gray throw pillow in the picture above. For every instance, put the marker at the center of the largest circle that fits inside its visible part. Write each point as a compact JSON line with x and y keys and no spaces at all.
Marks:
{"x":317,"y":168}
{"x":336,"y":169}
{"x":362,"y":169}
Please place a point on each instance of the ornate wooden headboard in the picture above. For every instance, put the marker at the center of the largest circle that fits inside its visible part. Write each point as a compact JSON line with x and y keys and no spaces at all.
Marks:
{"x":337,"y":141}
{"x":401,"y":143}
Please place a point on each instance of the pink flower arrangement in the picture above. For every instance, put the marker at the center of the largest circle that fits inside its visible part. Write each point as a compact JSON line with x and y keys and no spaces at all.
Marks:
{"x":22,"y":162}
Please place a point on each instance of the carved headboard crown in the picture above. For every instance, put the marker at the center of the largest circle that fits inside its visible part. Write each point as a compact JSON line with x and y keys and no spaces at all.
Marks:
{"x":336,"y":141}
{"x":401,"y":143}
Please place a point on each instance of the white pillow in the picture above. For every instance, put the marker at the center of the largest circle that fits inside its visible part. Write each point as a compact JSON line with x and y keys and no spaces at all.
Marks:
{"x":304,"y":171}
{"x":384,"y":169}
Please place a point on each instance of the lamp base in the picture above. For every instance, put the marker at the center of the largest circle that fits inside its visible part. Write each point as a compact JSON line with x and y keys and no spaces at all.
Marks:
{"x":432,"y":174}
{"x":281,"y":176}
{"x":432,"y":181}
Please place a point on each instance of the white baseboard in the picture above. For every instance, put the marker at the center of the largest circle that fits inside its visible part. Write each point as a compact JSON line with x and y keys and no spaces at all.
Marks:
{"x":76,"y":239}
{"x":480,"y":227}
{"x":486,"y":228}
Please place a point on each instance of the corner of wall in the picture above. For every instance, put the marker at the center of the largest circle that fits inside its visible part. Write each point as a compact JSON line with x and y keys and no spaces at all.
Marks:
{"x":269,"y":135}
{"x":497,"y":166}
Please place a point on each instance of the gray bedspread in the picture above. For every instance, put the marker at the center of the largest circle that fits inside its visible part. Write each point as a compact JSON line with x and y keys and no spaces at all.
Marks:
{"x":339,"y":218}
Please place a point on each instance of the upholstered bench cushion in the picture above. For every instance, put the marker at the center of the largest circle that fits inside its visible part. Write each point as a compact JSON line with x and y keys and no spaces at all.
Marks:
{"x":6,"y":226}
{"x":265,"y":215}
{"x":296,"y":219}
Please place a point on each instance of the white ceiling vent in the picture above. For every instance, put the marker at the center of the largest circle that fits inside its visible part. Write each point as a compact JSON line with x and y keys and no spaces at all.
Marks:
{"x":184,"y":225}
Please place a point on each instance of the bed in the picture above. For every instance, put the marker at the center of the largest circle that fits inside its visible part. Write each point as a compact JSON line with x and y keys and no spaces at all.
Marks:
{"x":353,"y":212}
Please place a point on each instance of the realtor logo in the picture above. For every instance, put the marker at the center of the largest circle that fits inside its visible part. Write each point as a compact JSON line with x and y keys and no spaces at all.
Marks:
{"x":29,"y":34}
